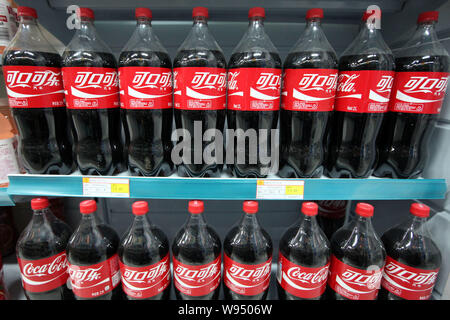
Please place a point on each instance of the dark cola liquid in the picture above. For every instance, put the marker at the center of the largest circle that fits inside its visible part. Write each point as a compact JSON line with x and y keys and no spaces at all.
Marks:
{"x":138,"y":254}
{"x":44,"y":144}
{"x":303,"y":255}
{"x":421,"y":252}
{"x":303,"y":133}
{"x":256,"y":120}
{"x":84,"y":255}
{"x":148,"y":132}
{"x":96,"y":132}
{"x":331,"y":215}
{"x":404,"y":137}
{"x":238,"y":248}
{"x":352,"y":149}
{"x":36,"y":246}
{"x":198,"y":248}
{"x":210,"y":119}
{"x":360,"y":253}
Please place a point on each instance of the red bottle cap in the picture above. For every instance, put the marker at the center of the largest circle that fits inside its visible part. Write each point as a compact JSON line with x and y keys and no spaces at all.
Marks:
{"x":88,"y":206}
{"x":139,"y":208}
{"x":86,"y":12}
{"x":200,"y":12}
{"x":310,"y":208}
{"x":256,"y":12}
{"x":250,"y":207}
{"x":143,"y":12}
{"x":364,"y":210}
{"x":26,"y":11}
{"x":314,"y":13}
{"x":39,"y":203}
{"x":428,"y":16}
{"x":196,"y":206}
{"x":420,"y":210}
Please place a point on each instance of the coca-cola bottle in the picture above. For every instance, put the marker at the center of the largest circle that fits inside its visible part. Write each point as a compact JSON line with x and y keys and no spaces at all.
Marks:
{"x":247,"y":258}
{"x":93,"y":260}
{"x":254,"y":83}
{"x":3,"y":292}
{"x":357,"y":259}
{"x":199,"y":71}
{"x":331,"y":215}
{"x":309,"y":87}
{"x":422,"y":68}
{"x":144,"y":258}
{"x":32,"y":70}
{"x":92,"y":95}
{"x":304,"y":258}
{"x":197,"y":261}
{"x":145,"y":77}
{"x":366,"y":74}
{"x":413,"y":259}
{"x":41,"y":254}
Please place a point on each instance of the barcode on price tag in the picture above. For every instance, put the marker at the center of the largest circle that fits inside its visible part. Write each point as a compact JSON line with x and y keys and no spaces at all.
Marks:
{"x":280,"y":189}
{"x":106,"y":187}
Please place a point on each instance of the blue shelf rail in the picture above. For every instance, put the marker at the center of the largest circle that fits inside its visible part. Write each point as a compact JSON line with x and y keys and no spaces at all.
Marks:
{"x":227,"y":188}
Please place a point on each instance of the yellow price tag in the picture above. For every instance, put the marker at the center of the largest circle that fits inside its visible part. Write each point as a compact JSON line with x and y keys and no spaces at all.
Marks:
{"x":120,"y":188}
{"x":294,"y":190}
{"x":85,"y":180}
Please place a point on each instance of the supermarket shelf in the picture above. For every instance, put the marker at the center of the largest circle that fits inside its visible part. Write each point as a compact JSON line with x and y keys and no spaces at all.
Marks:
{"x":5,"y":199}
{"x":225,"y":188}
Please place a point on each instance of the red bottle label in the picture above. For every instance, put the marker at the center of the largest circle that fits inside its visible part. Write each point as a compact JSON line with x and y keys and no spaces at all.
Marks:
{"x":196,"y":280}
{"x":199,"y":88}
{"x":254,"y":89}
{"x":246,"y":279}
{"x":95,"y":280}
{"x":91,"y":88}
{"x":34,"y":87}
{"x":309,"y":89}
{"x":365,"y":91}
{"x":353,"y":283}
{"x":146,"y":282}
{"x":44,"y":274}
{"x":145,"y":88}
{"x":302,"y":282}
{"x":418,"y":92}
{"x":407,"y":282}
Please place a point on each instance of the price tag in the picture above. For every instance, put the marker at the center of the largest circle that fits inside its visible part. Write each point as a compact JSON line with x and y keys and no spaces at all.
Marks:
{"x":106,"y":187}
{"x":280,"y":189}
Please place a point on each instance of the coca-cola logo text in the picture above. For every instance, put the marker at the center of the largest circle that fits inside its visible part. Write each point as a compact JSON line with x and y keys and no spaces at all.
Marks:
{"x":253,"y":275}
{"x":312,"y":81}
{"x":196,"y":275}
{"x":268,"y":81}
{"x":145,"y":276}
{"x":385,"y":84}
{"x":371,"y":281}
{"x":232,"y":80}
{"x":57,"y":265}
{"x":202,"y":80}
{"x":296,"y":274}
{"x":152,"y":80}
{"x":89,"y":274}
{"x":426,"y":85}
{"x":87,"y":79}
{"x":347,"y":82}
{"x":36,"y":79}
{"x":410,"y":277}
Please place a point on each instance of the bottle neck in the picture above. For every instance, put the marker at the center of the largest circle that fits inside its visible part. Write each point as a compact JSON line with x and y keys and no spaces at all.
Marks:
{"x":314,"y":23}
{"x":200,"y":22}
{"x":418,"y":226}
{"x":143,"y":23}
{"x":196,"y":220}
{"x":306,"y":224}
{"x":87,"y":28}
{"x":249,"y":222}
{"x":140,"y":223}
{"x":364,"y":225}
{"x":256,"y":26}
{"x":28,"y":24}
{"x":88,"y":221}
{"x":425,"y":33}
{"x":40,"y":217}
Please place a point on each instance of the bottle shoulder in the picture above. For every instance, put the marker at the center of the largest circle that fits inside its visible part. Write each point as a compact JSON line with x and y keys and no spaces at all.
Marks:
{"x":31,"y":58}
{"x":311,"y":60}
{"x":88,"y":59}
{"x":156,"y":59}
{"x":199,"y":58}
{"x":255,"y":59}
